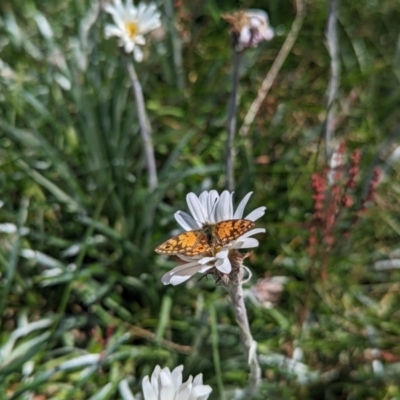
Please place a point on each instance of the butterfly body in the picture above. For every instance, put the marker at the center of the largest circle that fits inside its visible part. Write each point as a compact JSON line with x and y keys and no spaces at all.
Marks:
{"x":206,"y":239}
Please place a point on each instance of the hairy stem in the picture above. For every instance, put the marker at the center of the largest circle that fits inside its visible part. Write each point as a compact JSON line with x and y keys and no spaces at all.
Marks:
{"x":231,"y":126}
{"x":248,"y":343}
{"x":144,"y":126}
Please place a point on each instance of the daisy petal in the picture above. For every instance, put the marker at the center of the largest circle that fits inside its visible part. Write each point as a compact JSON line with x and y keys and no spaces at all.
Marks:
{"x":148,"y":391}
{"x":201,"y":392}
{"x":186,"y":221}
{"x":203,"y":198}
{"x":256,"y":214}
{"x":213,"y":197}
{"x":206,"y":260}
{"x":129,"y":46}
{"x":224,"y":207}
{"x":239,"y":211}
{"x":154,"y":378}
{"x":189,"y":259}
{"x":222,"y":253}
{"x":167,"y":391}
{"x":138,"y":54}
{"x":245,"y":243}
{"x":223,"y":265}
{"x":177,"y":376}
{"x":184,"y":391}
{"x":198,"y":380}
{"x":111,"y":30}
{"x":183,"y":273}
{"x":196,"y":208}
{"x":252,"y":232}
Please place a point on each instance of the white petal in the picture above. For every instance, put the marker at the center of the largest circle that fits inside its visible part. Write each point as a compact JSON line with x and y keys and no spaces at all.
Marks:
{"x":239,"y":211}
{"x":141,"y":9}
{"x":177,"y":376}
{"x":255,"y":22}
{"x":203,"y":198}
{"x":222,"y":253}
{"x":154,"y":378}
{"x":230,"y":206}
{"x":148,"y":390}
{"x":167,"y":391}
{"x":223,"y":265}
{"x":245,"y":36}
{"x":139,"y":39}
{"x":129,"y":46}
{"x":116,"y":16}
{"x":196,"y":208}
{"x":198,"y":380}
{"x":200,"y":392}
{"x":224,"y":207}
{"x":184,"y":391}
{"x":109,"y":8}
{"x":252,"y":232}
{"x":138,"y":54}
{"x":267,"y":33}
{"x":186,"y":221}
{"x":183,"y":273}
{"x":112,"y":30}
{"x":182,"y":267}
{"x":245,"y":243}
{"x":167,"y":373}
{"x":256,"y":214}
{"x":177,"y":280}
{"x":119,"y":6}
{"x":150,"y":24}
{"x":206,"y":260}
{"x":212,"y":205}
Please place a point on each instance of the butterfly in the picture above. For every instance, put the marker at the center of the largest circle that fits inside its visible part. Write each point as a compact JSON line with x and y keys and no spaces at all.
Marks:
{"x":203,"y":240}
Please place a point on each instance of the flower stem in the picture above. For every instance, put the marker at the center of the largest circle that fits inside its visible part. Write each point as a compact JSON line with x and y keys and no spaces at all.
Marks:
{"x":275,"y":68}
{"x":248,"y":343}
{"x":231,"y":126}
{"x":144,"y":125}
{"x":334,"y":78}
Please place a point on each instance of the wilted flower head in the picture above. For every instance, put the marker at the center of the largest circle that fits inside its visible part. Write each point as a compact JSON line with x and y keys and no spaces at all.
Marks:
{"x":212,"y":208}
{"x":249,"y":28}
{"x":131,"y":24}
{"x":268,"y":291}
{"x":167,"y":385}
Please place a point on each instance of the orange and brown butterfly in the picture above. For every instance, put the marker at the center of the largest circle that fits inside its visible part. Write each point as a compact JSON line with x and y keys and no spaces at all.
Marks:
{"x":208,"y":239}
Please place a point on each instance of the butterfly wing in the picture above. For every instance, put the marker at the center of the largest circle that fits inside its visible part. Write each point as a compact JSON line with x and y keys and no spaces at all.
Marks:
{"x":229,"y":230}
{"x":191,"y":243}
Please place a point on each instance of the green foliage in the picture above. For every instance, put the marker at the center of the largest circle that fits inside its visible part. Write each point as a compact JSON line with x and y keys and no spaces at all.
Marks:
{"x":83,"y":308}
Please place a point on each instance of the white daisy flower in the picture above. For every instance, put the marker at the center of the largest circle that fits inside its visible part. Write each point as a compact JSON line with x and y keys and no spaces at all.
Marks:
{"x":212,"y":208}
{"x":131,"y":24}
{"x":167,"y":385}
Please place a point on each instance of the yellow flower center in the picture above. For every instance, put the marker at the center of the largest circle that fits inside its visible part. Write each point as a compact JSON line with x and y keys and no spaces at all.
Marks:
{"x":132,"y":29}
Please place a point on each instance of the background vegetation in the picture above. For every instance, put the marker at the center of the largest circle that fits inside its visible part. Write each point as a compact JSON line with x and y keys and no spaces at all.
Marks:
{"x":81,"y":299}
